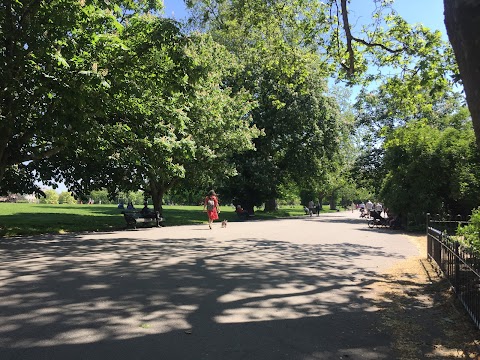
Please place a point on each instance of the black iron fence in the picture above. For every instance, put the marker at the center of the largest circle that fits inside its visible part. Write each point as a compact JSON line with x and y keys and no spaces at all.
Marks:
{"x":459,"y":265}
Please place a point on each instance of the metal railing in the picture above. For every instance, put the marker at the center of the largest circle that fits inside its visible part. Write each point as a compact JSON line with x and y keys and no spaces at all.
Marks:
{"x":459,"y":265}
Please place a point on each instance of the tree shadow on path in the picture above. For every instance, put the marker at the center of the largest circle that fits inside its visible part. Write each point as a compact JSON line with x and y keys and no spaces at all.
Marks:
{"x":67,"y":297}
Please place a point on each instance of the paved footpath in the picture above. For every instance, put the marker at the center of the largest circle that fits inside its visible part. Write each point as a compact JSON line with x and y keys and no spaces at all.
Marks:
{"x":281,"y":289}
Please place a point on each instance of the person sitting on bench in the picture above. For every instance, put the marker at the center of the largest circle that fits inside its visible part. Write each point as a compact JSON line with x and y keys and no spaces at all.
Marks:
{"x":146,"y":212}
{"x":241,"y":212}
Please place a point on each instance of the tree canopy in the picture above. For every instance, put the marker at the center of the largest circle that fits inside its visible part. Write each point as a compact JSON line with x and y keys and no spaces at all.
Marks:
{"x":169,"y":109}
{"x":418,"y":152}
{"x":287,"y":77}
{"x":53,"y":88}
{"x":114,"y":95}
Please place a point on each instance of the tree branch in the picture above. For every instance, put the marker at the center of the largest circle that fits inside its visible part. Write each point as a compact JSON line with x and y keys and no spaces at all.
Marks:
{"x":346,"y":26}
{"x":393,"y":51}
{"x":351,"y":54}
{"x":36,"y":154}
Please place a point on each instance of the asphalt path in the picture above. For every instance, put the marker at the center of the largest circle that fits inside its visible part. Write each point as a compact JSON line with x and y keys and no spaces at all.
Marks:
{"x":281,"y":289}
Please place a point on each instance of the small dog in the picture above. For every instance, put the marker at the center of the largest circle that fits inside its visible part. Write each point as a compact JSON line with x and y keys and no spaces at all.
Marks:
{"x":224,"y":223}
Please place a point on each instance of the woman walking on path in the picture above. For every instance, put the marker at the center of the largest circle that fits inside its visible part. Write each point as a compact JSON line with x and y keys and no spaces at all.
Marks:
{"x":211,"y":206}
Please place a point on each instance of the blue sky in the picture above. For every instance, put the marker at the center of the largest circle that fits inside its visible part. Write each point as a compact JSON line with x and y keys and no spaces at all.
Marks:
{"x":427,"y":12}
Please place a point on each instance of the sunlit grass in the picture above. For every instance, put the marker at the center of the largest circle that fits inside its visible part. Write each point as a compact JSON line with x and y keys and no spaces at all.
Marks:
{"x":28,"y":219}
{"x":31,"y":219}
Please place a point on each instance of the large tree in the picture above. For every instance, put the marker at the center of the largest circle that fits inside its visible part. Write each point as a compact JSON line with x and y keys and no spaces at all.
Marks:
{"x":52,"y":87}
{"x":170,"y":114}
{"x":335,"y":174}
{"x":275,"y":44}
{"x":300,"y":137}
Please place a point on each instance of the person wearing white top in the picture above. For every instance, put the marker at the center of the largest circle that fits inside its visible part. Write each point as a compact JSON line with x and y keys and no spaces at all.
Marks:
{"x":369,"y":206}
{"x":311,"y":207}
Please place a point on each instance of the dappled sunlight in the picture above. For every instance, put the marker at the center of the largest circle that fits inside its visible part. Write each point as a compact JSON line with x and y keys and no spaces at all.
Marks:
{"x":75,"y":336}
{"x":98,"y":289}
{"x":289,"y":302}
{"x":113,"y":286}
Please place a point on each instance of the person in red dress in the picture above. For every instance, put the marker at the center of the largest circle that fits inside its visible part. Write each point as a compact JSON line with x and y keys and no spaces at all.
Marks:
{"x":211,"y":206}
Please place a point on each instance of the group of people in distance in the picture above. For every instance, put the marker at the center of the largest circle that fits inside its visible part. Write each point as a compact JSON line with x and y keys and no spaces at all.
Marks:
{"x":367,"y":208}
{"x":312,"y":208}
{"x":146,"y":212}
{"x":129,"y":206}
{"x":370,"y":206}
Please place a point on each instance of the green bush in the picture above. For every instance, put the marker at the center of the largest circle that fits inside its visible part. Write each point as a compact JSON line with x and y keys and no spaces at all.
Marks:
{"x":471,"y":232}
{"x":435,"y":170}
{"x":66,"y":198}
{"x":51,"y":197}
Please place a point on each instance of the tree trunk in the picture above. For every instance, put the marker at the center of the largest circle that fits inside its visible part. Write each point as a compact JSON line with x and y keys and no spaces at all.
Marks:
{"x":320,"y":200}
{"x":250,"y":208}
{"x":271,"y":205}
{"x":462,"y":19}
{"x":3,"y":168}
{"x":157,"y":196}
{"x":332,"y":201}
{"x":9,"y":69}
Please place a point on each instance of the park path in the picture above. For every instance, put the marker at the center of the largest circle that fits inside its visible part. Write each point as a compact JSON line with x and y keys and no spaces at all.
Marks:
{"x":281,"y":289}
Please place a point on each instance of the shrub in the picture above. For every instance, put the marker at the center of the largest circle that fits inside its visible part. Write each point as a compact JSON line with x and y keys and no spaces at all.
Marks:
{"x":51,"y":197}
{"x":66,"y":198}
{"x":471,"y":232}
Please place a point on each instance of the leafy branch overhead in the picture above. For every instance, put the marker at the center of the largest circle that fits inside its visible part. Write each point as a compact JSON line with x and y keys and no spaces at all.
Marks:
{"x":388,"y":41}
{"x":350,"y":38}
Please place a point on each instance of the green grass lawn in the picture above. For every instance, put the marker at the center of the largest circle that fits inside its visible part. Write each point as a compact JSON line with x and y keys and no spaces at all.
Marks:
{"x":31,"y":219}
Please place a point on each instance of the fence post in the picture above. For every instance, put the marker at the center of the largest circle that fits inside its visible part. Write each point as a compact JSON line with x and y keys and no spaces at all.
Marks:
{"x":429,"y":240}
{"x":456,"y":261}
{"x":437,"y":250}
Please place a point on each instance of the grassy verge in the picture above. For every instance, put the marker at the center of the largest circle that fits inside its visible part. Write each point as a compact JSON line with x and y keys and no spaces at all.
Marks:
{"x":33,"y":219}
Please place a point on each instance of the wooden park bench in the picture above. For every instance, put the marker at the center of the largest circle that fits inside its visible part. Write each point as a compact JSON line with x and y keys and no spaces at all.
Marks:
{"x":132,"y":218}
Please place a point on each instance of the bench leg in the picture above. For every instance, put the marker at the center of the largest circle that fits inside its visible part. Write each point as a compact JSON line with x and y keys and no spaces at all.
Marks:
{"x":131,"y":223}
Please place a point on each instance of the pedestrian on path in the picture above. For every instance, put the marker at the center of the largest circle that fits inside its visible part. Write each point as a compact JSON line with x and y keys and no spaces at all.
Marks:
{"x":311,"y":207}
{"x":211,"y":206}
{"x":369,"y":207}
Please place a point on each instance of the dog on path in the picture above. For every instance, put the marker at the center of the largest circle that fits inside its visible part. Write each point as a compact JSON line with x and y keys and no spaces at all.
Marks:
{"x":224,"y":223}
